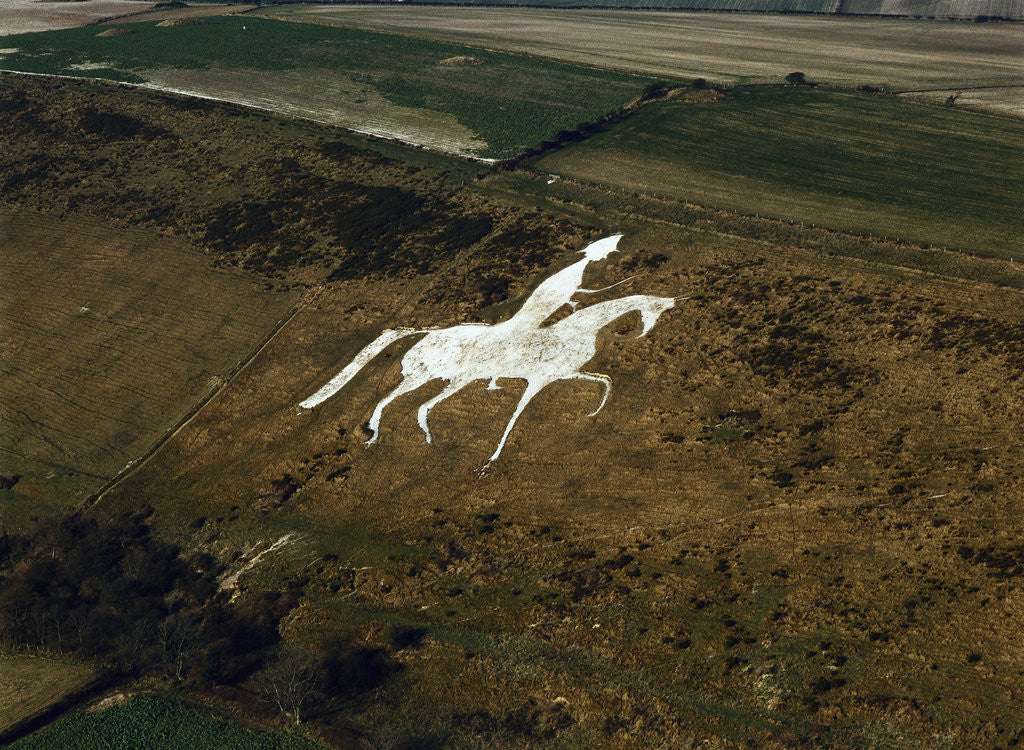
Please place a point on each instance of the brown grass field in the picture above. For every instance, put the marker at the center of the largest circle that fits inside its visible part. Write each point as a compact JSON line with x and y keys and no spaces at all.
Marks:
{"x":110,"y":336}
{"x":725,"y":47}
{"x":30,"y":684}
{"x":795,"y":523}
{"x":773,"y":454}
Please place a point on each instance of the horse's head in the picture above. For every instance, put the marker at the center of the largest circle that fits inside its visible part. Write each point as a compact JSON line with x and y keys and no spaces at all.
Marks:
{"x":602,"y":248}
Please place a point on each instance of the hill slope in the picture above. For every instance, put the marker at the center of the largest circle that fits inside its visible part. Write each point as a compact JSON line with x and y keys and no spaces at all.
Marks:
{"x":806,"y":479}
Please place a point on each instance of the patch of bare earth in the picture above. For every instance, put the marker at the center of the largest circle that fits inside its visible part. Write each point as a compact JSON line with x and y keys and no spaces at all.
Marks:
{"x":325,"y":97}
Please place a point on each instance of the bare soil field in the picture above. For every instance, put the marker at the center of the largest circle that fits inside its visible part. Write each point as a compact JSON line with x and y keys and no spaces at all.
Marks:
{"x":198,"y":11}
{"x":21,"y":16}
{"x":983,"y":10}
{"x":33,"y":683}
{"x":967,"y":9}
{"x":731,"y":47}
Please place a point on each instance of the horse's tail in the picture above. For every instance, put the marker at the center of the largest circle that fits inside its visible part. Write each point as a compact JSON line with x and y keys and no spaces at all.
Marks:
{"x":370,"y":351}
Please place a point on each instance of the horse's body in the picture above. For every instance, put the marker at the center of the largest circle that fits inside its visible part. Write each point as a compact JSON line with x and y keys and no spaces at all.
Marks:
{"x":516,"y":348}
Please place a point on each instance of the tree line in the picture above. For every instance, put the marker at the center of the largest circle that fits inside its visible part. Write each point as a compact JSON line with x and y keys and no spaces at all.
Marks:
{"x":109,"y":590}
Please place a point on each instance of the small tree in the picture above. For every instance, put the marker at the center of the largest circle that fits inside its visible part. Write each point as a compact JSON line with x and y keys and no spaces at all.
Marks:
{"x":176,"y":635}
{"x":290,"y":682}
{"x":796,"y":78}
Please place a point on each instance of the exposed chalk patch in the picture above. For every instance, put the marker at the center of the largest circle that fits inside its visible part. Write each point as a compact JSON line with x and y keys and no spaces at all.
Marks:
{"x":229,"y":581}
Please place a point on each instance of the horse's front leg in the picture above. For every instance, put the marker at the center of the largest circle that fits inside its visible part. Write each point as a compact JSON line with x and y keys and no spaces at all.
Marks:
{"x":404,"y":387}
{"x":449,"y":390}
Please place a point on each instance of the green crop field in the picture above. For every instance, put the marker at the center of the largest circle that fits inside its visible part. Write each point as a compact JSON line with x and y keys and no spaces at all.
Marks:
{"x":29,"y":684}
{"x":871,"y":164}
{"x":448,"y":96}
{"x":150,"y":722}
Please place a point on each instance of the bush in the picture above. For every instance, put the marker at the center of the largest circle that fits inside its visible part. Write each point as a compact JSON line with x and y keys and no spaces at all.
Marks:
{"x":405,"y":636}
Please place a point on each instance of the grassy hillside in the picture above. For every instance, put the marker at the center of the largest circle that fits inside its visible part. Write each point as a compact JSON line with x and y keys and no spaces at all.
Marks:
{"x":110,"y":335}
{"x":115,"y":330}
{"x":804,"y":480}
{"x":871,"y":164}
{"x":490,"y":104}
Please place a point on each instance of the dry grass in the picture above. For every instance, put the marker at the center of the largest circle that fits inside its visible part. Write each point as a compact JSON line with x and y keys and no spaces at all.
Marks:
{"x":803,"y":415}
{"x":733,"y":47}
{"x":807,"y":479}
{"x":31,"y":684}
{"x":110,"y":336}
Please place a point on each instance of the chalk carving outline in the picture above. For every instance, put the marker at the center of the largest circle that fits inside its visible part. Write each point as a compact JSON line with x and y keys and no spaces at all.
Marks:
{"x":520,"y":347}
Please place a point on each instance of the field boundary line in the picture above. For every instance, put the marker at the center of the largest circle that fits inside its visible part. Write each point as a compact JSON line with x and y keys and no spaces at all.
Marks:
{"x":166,"y":91}
{"x":194,"y":411}
{"x":531,"y":172}
{"x":48,"y":714}
{"x":960,"y":88}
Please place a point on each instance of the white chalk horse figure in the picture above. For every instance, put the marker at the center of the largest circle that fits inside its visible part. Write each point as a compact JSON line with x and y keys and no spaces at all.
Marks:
{"x":516,"y":348}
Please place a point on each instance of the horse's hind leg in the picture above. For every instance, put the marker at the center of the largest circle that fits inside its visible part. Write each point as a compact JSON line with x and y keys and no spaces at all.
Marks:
{"x":404,"y":387}
{"x":597,"y":377}
{"x":424,"y":412}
